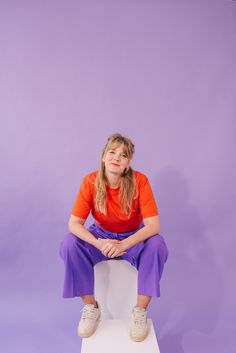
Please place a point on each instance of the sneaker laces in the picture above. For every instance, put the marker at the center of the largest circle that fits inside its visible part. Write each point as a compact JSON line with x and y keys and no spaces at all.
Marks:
{"x":139,"y":319}
{"x":88,"y":312}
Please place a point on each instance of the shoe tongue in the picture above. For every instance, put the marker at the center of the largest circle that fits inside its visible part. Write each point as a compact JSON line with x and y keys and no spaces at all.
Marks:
{"x":139,"y":309}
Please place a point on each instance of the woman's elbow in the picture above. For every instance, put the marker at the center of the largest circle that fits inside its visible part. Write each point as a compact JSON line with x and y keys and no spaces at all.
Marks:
{"x":156,"y":228}
{"x":69,"y":227}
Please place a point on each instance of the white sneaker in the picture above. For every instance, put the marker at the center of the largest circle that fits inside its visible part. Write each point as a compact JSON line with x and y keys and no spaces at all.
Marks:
{"x":139,"y":327}
{"x":89,"y":320}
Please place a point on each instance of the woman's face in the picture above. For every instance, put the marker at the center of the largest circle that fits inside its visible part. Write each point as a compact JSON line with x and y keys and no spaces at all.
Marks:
{"x":116,"y":160}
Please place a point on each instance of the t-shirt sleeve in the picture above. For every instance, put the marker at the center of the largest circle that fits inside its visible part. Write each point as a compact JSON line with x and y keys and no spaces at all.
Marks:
{"x":83,"y":202}
{"x":147,"y":201}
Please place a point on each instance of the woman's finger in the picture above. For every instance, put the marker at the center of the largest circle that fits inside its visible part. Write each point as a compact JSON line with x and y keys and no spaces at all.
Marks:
{"x":106,"y":247}
{"x":115,"y":253}
{"x":112,"y":251}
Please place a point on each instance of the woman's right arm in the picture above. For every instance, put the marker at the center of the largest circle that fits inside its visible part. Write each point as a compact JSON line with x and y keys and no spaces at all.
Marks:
{"x":76,"y":226}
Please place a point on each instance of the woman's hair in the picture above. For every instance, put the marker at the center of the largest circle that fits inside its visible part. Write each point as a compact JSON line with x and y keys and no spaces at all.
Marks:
{"x":128,"y":190}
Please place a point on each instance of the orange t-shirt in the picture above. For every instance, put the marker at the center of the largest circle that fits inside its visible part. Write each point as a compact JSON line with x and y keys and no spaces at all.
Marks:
{"x":116,"y":220}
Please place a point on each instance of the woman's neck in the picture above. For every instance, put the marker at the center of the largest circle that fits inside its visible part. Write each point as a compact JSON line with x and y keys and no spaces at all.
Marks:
{"x":113,"y":180}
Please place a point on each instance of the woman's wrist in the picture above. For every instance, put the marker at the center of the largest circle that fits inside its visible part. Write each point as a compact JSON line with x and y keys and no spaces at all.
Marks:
{"x":126,"y":243}
{"x":96,"y":243}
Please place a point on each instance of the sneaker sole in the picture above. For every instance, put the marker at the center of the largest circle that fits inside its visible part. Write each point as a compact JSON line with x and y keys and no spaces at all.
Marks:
{"x":86,"y":335}
{"x":138,"y":339}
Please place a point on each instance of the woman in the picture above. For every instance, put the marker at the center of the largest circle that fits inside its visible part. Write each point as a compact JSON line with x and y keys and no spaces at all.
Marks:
{"x":126,"y":227}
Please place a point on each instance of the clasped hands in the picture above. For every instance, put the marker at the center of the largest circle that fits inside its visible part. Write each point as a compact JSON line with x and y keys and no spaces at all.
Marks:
{"x":111,"y":247}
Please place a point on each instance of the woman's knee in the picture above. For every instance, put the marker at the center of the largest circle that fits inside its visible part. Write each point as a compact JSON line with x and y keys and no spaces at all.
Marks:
{"x":156,"y":243}
{"x":68,"y":244}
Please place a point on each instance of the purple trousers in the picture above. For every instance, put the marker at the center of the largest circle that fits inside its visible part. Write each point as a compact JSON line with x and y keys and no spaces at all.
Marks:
{"x":80,"y":258}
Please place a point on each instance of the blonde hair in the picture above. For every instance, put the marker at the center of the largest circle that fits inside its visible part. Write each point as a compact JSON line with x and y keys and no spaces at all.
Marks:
{"x":128,"y":190}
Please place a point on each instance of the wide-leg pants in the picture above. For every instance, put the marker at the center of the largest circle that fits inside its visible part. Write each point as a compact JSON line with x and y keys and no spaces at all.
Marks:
{"x":80,"y":258}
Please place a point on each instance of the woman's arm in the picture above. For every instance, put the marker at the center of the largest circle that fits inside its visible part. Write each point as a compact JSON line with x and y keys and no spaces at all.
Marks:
{"x":151,"y":227}
{"x":76,"y":226}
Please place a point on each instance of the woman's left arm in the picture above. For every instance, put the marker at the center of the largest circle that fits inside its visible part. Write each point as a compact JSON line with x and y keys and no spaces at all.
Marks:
{"x":151,"y":227}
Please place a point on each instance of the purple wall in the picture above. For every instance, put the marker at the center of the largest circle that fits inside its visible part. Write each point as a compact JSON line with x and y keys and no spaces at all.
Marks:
{"x":161,"y":72}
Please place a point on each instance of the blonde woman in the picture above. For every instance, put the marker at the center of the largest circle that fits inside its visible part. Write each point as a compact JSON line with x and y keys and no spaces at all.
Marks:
{"x":126,"y":227}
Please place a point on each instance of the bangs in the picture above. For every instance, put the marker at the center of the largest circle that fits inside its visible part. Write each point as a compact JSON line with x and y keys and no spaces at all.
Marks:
{"x":126,"y":148}
{"x":117,"y":140}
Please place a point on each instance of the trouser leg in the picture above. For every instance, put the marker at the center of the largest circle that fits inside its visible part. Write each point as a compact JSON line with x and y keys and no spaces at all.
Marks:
{"x":150,"y":266}
{"x":79,"y":258}
{"x":149,"y":258}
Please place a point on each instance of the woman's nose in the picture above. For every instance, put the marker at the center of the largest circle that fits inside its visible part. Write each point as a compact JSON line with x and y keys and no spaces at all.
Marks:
{"x":117,"y":157}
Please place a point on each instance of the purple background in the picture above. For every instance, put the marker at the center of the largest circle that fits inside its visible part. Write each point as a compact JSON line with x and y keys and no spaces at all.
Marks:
{"x":161,"y":72}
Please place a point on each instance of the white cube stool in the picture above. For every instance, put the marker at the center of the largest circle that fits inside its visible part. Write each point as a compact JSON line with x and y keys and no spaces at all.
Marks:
{"x":116,"y":288}
{"x":116,"y":292}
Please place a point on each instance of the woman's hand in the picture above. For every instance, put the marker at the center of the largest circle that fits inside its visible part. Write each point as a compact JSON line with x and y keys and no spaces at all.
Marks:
{"x":100,"y":242}
{"x":111,"y":247}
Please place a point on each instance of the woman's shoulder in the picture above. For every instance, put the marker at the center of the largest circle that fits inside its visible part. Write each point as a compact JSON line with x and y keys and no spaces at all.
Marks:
{"x":140,"y":177}
{"x":90,"y":178}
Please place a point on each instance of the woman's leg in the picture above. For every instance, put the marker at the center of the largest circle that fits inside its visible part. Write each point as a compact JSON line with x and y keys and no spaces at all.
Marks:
{"x":79,"y":258}
{"x":143,"y":301}
{"x":89,"y":299}
{"x":151,"y":262}
{"x":149,"y":258}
